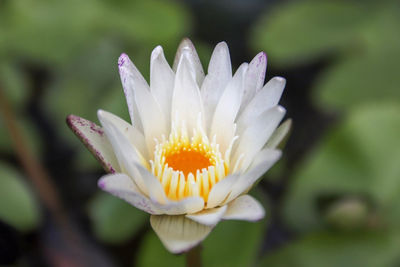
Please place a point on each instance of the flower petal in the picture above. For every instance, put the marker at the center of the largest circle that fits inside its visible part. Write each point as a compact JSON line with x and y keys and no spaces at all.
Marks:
{"x":130,"y":132}
{"x":257,"y":134}
{"x":151,"y":117}
{"x":254,"y":78}
{"x":227,"y":108}
{"x":177,"y":233}
{"x":186,"y":100}
{"x":262,"y":162}
{"x":209,"y":216}
{"x":131,"y":77}
{"x":244,"y":208}
{"x":92,"y":136}
{"x":219,"y":74}
{"x":186,"y":46}
{"x":122,"y":186}
{"x":161,"y":81}
{"x":160,"y":200}
{"x":220,"y":190}
{"x":265,"y":99}
{"x":126,"y":153}
{"x":278,"y":135}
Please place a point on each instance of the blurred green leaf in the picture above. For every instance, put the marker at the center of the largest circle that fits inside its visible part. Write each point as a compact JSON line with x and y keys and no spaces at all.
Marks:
{"x":18,"y":205}
{"x":332,"y":249}
{"x":233,"y":243}
{"x":301,"y":31}
{"x":359,"y":157}
{"x":366,"y":75}
{"x":152,"y":253}
{"x":114,"y":220}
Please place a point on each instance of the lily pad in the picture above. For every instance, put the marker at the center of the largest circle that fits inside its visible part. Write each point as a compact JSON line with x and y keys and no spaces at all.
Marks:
{"x":359,"y":157}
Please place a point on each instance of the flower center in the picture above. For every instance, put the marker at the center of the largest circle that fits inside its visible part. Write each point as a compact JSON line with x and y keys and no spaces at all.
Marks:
{"x":188,"y":166}
{"x":188,"y":161}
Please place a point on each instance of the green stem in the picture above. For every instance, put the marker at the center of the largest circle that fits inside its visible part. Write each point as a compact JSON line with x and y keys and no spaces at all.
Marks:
{"x":193,"y":257}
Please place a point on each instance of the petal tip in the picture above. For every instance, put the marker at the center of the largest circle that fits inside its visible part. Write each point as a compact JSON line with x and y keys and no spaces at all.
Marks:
{"x":123,"y":58}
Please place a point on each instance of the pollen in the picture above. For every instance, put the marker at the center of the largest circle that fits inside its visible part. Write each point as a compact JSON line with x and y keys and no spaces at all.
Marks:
{"x":188,"y":166}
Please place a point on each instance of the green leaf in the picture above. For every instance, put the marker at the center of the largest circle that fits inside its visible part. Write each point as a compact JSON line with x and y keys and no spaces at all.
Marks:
{"x":233,"y":243}
{"x":301,"y":31}
{"x":114,"y":220}
{"x":18,"y":205}
{"x":359,"y":157}
{"x":332,"y":249}
{"x":152,"y":253}
{"x":367,"y":75}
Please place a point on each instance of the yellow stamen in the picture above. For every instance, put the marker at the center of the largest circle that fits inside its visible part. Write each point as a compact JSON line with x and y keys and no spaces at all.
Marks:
{"x":188,"y":167}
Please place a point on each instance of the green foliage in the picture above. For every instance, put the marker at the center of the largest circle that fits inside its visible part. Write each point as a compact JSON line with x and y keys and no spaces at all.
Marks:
{"x":363,"y":36}
{"x":332,"y":249}
{"x":18,"y":205}
{"x":359,"y":157}
{"x":153,"y":253}
{"x":114,"y":220}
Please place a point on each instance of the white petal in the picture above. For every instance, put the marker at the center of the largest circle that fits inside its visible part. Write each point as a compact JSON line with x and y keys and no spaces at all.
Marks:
{"x":244,"y":208}
{"x":186,"y":100}
{"x":262,"y":162}
{"x":94,"y":139}
{"x":131,"y":133}
{"x":186,"y":46}
{"x":257,"y":134}
{"x":177,"y":233}
{"x":266,"y":98}
{"x":122,"y":186}
{"x":161,"y":81}
{"x":126,"y":153}
{"x":219,"y":74}
{"x":254,"y":78}
{"x":153,"y":120}
{"x":131,"y":77}
{"x":154,"y":187}
{"x":160,"y":200}
{"x":209,"y":216}
{"x":220,"y":190}
{"x":228,"y":106}
{"x":280,"y":133}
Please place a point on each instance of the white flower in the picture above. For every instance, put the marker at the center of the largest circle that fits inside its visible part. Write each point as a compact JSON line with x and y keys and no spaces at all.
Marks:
{"x":196,"y":144}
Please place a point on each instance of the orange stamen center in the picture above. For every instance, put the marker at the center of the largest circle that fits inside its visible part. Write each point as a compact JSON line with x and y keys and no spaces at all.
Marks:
{"x":187,"y":161}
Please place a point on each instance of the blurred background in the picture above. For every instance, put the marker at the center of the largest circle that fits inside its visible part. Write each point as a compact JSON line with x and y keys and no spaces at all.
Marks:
{"x":332,"y":200}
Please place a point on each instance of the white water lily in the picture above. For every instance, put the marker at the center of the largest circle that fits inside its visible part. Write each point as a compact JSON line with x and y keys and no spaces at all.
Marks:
{"x":196,"y":145}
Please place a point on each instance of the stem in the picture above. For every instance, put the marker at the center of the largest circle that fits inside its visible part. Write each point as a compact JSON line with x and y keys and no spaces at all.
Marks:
{"x":193,"y":257}
{"x":33,"y":169}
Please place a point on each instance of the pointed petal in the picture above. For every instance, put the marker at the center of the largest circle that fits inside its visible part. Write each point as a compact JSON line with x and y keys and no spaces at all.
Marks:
{"x":126,"y":153}
{"x":228,"y":106}
{"x":93,"y":137}
{"x":161,"y":81}
{"x":122,"y":186}
{"x":160,"y":200}
{"x":265,"y":99}
{"x":132,"y":134}
{"x":186,"y":100}
{"x":220,"y":190}
{"x":186,"y":46}
{"x":279,"y":134}
{"x":257,"y":134}
{"x":209,"y":216}
{"x":254,"y":78}
{"x":131,"y":77}
{"x":177,"y":233}
{"x":219,"y":74}
{"x":244,"y":208}
{"x":264,"y":160}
